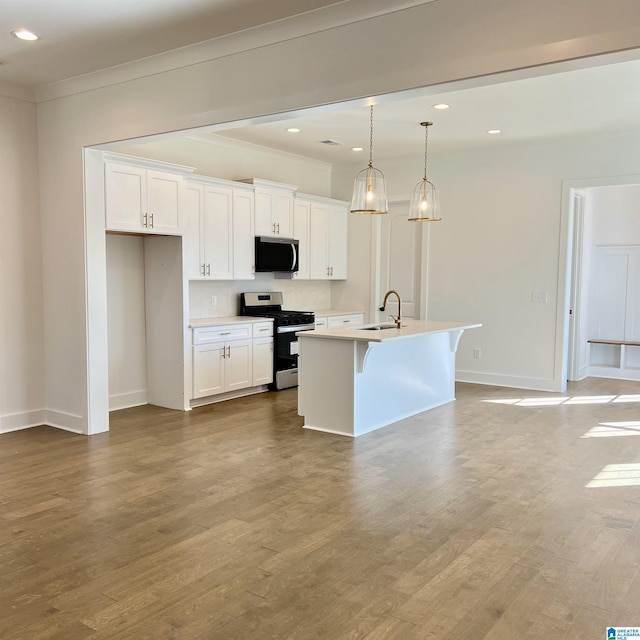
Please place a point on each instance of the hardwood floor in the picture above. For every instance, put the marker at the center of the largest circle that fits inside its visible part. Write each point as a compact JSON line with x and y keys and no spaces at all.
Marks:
{"x":471,"y":521}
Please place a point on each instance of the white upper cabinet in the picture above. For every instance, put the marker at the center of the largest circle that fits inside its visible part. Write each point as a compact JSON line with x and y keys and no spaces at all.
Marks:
{"x":143,"y":196}
{"x":219,"y":230}
{"x":326,"y":237}
{"x":301,"y":212}
{"x":273,"y":208}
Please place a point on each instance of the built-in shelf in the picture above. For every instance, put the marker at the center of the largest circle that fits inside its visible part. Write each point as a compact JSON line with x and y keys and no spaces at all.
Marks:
{"x":618,"y":359}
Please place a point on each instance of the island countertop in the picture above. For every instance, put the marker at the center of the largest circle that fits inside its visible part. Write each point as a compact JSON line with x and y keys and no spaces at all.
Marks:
{"x":409,"y":329}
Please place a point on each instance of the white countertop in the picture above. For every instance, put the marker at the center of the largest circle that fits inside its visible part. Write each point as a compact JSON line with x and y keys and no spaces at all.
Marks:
{"x":409,"y":328}
{"x":214,"y":322}
{"x":335,"y":312}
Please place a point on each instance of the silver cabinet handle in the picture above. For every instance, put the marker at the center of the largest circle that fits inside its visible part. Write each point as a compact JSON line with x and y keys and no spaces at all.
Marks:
{"x":152,"y":220}
{"x":226,"y":333}
{"x":273,"y":227}
{"x":223,"y":355}
{"x":278,"y":227}
{"x":144,"y":220}
{"x":347,"y":321}
{"x":203,"y":270}
{"x":328,"y":271}
{"x":209,"y":269}
{"x":331,"y":274}
{"x":263,"y":329}
{"x":228,"y":351}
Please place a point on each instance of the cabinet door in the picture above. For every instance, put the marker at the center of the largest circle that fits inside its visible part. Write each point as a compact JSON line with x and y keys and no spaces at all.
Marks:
{"x":238,"y":369}
{"x":351,"y":320}
{"x":282,"y":215}
{"x":337,"y":242}
{"x":301,"y":233}
{"x":319,"y":239}
{"x":163,"y":202}
{"x":262,"y":361}
{"x":125,"y":197}
{"x":193,"y":209}
{"x":243,"y":242}
{"x":263,"y":213}
{"x":208,"y":369}
{"x":217,"y":232}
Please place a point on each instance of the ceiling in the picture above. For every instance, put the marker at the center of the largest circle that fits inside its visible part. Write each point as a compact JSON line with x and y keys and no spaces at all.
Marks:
{"x":580,"y":102}
{"x":82,"y":36}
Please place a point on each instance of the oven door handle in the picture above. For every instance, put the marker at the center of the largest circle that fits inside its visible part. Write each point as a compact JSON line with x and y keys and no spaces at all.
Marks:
{"x":295,"y":256}
{"x":294,"y":328}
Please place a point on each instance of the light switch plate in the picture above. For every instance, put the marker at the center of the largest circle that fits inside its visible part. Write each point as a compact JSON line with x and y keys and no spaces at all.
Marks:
{"x":539,"y":297}
{"x":214,"y":301}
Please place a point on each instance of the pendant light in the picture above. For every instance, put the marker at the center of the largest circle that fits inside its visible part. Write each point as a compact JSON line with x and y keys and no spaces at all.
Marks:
{"x":369,"y":190}
{"x":424,"y":203}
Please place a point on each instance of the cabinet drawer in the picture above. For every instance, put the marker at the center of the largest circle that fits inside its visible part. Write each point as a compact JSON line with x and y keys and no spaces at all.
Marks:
{"x":262,"y":329}
{"x":344,"y":321}
{"x":222,"y":333}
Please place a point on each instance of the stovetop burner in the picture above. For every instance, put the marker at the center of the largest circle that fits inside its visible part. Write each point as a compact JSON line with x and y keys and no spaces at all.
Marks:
{"x":269,"y":305}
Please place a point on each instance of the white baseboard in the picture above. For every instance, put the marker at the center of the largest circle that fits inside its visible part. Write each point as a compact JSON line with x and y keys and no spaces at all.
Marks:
{"x":230,"y":395}
{"x":41,"y":418}
{"x":65,"y":421}
{"x":514,"y":382}
{"x":127,"y":400}
{"x":614,"y":372}
{"x":25,"y":420}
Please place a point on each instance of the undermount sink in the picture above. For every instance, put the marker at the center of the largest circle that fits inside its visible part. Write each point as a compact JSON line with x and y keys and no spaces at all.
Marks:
{"x":377,"y":327}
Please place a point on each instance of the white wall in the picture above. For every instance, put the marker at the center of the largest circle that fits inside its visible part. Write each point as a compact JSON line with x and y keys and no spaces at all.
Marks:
{"x":306,"y":71}
{"x":613,"y":213}
{"x":126,"y":321}
{"x":499,"y":242}
{"x":21,"y":324}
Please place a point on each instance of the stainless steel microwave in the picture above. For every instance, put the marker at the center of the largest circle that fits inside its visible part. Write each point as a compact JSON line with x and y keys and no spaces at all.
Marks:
{"x":276,"y":254}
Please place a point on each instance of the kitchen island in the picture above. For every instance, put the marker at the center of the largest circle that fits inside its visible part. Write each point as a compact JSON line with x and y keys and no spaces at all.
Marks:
{"x":355,"y":380}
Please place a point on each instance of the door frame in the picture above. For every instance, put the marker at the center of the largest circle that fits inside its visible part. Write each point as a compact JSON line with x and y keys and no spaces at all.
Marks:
{"x":568,"y":277}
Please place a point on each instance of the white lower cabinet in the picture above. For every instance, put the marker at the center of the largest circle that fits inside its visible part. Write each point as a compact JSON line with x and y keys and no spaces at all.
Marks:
{"x":353,"y":319}
{"x":262,"y":361}
{"x":232,"y":357}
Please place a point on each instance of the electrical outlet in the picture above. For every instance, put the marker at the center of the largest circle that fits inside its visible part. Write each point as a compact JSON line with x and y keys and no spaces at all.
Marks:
{"x":539,"y":297}
{"x":214,"y":301}
{"x":477,"y":352}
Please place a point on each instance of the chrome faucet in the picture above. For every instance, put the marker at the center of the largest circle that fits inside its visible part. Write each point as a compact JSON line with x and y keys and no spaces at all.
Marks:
{"x":397,"y":320}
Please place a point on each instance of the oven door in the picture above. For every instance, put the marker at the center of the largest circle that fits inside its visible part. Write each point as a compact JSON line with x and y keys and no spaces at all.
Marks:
{"x":286,"y":355}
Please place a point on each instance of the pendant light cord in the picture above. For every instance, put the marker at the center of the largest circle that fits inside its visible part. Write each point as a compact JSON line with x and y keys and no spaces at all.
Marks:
{"x":371,"y":138}
{"x":426,"y":143}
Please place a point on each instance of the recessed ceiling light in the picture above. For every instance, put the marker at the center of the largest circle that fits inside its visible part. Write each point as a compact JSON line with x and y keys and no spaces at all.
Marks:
{"x":441,"y":106}
{"x":494,"y":131}
{"x":23,"y":34}
{"x":357,"y":149}
{"x":293,"y":130}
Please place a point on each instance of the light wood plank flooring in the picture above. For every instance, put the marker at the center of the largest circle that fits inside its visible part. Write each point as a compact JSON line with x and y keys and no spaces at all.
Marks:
{"x":474,"y":520}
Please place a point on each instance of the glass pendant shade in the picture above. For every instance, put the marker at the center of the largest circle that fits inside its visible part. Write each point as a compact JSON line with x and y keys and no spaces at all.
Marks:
{"x":369,"y":192}
{"x":424,"y":203}
{"x":369,"y":188}
{"x":424,"y":206}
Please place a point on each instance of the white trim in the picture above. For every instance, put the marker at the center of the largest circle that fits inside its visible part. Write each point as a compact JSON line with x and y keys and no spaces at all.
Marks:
{"x":563,"y":300}
{"x":615,"y":373}
{"x":323,"y":19}
{"x":146,"y":163}
{"x":24,"y":420}
{"x":127,"y":400}
{"x":17,"y":92}
{"x":65,"y":421}
{"x":515,"y":382}
{"x":230,"y":395}
{"x":269,"y":184}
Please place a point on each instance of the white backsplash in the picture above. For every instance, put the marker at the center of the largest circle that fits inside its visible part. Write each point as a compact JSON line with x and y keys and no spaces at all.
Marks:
{"x":299,"y":295}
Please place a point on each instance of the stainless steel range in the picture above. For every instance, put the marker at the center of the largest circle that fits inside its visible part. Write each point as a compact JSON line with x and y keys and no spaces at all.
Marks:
{"x":285,"y":325}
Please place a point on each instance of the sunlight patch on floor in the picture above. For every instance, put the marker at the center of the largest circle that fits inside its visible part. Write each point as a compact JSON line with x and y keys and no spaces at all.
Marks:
{"x":613,"y":430}
{"x":554,"y":401}
{"x":617,"y":475}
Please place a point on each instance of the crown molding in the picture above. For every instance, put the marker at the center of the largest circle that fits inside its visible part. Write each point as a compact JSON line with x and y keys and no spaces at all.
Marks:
{"x":342,"y":13}
{"x":17,"y":91}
